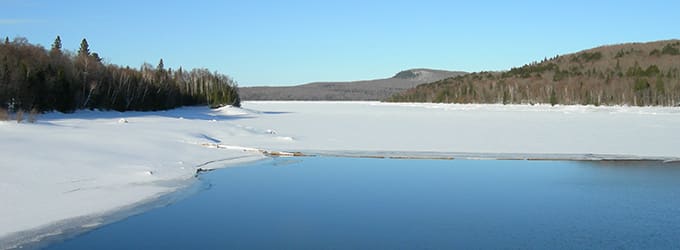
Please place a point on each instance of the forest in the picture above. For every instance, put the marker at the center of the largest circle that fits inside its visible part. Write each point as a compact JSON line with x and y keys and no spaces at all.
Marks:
{"x":36,"y":79}
{"x":634,"y":74}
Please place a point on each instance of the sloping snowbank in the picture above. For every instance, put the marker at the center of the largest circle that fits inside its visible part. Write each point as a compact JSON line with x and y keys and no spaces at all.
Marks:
{"x":91,"y":163}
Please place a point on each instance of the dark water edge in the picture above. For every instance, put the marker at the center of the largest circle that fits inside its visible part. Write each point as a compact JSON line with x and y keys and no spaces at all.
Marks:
{"x":438,"y":155}
{"x":341,"y":203}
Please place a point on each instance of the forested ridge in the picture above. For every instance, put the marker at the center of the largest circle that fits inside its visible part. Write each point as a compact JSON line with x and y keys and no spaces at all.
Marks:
{"x":39,"y":79}
{"x":363,"y":90}
{"x":640,"y":74}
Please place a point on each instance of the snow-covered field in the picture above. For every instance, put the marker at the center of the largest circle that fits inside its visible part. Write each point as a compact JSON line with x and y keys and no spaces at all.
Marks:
{"x":88,"y":164}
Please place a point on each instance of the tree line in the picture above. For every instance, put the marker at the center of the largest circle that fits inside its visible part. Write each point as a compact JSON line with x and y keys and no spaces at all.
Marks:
{"x":38,"y":79}
{"x":642,"y":74}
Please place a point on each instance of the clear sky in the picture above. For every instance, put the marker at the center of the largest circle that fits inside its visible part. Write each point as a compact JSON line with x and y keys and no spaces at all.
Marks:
{"x":293,"y":42}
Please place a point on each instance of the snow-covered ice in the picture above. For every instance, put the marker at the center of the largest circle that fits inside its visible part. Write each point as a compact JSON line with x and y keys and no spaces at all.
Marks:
{"x":92,"y":163}
{"x":474,"y":129}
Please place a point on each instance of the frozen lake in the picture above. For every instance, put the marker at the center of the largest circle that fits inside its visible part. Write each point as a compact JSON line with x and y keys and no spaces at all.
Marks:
{"x":354,"y":203}
{"x":91,"y":164}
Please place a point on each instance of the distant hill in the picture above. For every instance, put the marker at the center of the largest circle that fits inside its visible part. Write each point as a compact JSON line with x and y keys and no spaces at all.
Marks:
{"x":358,"y":90}
{"x":625,"y":74}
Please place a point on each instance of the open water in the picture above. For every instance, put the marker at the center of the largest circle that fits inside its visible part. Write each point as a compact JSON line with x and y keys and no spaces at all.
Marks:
{"x":356,"y":203}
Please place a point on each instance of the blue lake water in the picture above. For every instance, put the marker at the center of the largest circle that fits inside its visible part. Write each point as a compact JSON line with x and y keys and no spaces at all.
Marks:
{"x":352,"y":203}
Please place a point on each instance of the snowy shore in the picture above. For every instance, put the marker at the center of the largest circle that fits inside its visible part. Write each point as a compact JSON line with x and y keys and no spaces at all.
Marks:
{"x":67,"y":166}
{"x":92,"y":163}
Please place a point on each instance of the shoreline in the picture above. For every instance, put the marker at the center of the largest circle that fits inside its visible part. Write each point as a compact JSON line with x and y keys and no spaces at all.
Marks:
{"x":43,"y":236}
{"x":69,"y":228}
{"x":65,"y":229}
{"x":90,"y":165}
{"x":62,"y":230}
{"x":46,"y":235}
{"x":424,"y":155}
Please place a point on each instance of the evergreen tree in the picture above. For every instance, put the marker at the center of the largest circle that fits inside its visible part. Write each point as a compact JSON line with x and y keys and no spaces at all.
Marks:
{"x":96,"y":57}
{"x":56,"y":46}
{"x":31,"y":78}
{"x":506,"y":97}
{"x":160,"y":66}
{"x":660,"y":87}
{"x":6,"y":40}
{"x":84,"y":48}
{"x":553,"y":97}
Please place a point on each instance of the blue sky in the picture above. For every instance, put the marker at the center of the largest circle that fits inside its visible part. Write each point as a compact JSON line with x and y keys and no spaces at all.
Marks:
{"x":293,"y":42}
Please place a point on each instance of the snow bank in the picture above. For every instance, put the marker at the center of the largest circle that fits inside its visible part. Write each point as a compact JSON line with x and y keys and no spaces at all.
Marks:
{"x":92,"y":163}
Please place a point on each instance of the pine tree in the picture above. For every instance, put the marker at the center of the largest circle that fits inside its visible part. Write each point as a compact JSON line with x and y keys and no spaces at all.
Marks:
{"x":45,"y":82}
{"x":506,"y":97}
{"x":6,"y":40}
{"x":160,"y":67}
{"x":83,"y":63}
{"x":84,"y":48}
{"x":553,"y":97}
{"x":96,"y":57}
{"x":56,"y":46}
